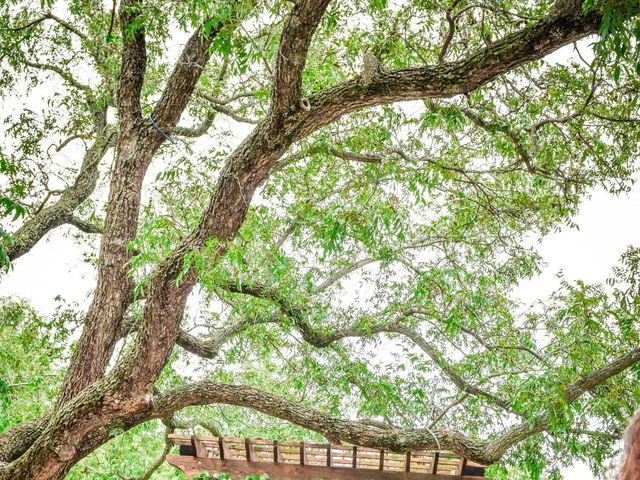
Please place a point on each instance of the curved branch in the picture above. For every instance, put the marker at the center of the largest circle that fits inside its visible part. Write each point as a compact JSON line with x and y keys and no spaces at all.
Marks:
{"x":185,"y":76}
{"x":398,"y":440}
{"x":61,"y":212}
{"x":66,"y":76}
{"x":84,"y":226}
{"x":50,"y":16}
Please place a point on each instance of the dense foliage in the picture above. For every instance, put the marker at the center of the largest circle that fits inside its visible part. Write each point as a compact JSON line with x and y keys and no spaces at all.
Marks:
{"x":373,"y":275}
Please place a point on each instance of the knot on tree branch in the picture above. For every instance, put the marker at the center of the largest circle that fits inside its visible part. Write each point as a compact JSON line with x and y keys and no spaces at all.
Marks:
{"x":305,"y":104}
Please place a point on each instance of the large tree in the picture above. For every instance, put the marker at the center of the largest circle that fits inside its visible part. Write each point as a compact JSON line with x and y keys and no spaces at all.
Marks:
{"x":399,"y":157}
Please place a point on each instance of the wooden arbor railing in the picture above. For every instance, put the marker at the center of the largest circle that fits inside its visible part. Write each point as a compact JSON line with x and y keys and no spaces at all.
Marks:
{"x":306,"y":461}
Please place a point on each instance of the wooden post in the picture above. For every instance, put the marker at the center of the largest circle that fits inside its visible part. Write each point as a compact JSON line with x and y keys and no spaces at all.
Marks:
{"x":463,"y":465}
{"x":355,"y":456}
{"x":249,"y":450}
{"x":303,"y":454}
{"x":198,"y":447}
{"x":329,"y":460}
{"x":407,"y":462}
{"x":276,"y":452}
{"x":224,"y":450}
{"x":436,"y":457}
{"x":381,"y":460}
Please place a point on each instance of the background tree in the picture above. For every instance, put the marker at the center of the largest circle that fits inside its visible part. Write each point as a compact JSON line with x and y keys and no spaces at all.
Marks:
{"x":345,"y":221}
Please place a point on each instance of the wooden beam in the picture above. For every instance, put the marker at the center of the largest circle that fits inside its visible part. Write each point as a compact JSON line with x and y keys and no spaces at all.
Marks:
{"x":276,"y":452}
{"x":407,"y":462}
{"x":238,"y":469}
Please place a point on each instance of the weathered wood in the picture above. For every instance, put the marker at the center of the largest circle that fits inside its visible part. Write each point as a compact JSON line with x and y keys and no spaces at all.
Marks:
{"x":463,"y":465}
{"x":222,"y":447}
{"x":237,"y":469}
{"x":249,"y":450}
{"x":300,"y":455}
{"x":197,"y":445}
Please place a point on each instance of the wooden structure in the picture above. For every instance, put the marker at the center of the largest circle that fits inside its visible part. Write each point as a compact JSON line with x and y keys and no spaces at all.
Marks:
{"x":240,"y":457}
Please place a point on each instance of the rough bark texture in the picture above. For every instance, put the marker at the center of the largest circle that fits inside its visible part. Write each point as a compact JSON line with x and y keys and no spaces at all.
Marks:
{"x":137,"y":144}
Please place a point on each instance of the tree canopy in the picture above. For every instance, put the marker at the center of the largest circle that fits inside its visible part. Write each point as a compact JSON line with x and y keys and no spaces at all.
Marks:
{"x":307,"y":219}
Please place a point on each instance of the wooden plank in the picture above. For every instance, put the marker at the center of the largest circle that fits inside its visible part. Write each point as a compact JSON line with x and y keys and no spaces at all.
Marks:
{"x":239,"y":468}
{"x":303,"y":454}
{"x":276,"y":452}
{"x":381,"y":460}
{"x":355,"y":456}
{"x":407,"y":462}
{"x":329,"y":459}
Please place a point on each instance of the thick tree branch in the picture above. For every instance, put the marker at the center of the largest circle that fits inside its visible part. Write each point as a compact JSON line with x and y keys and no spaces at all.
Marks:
{"x":135,"y":150}
{"x":488,"y":452}
{"x":17,"y":439}
{"x":184,"y":78}
{"x":563,"y":26}
{"x":292,"y":54}
{"x":61,"y":212}
{"x":134,"y":63}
